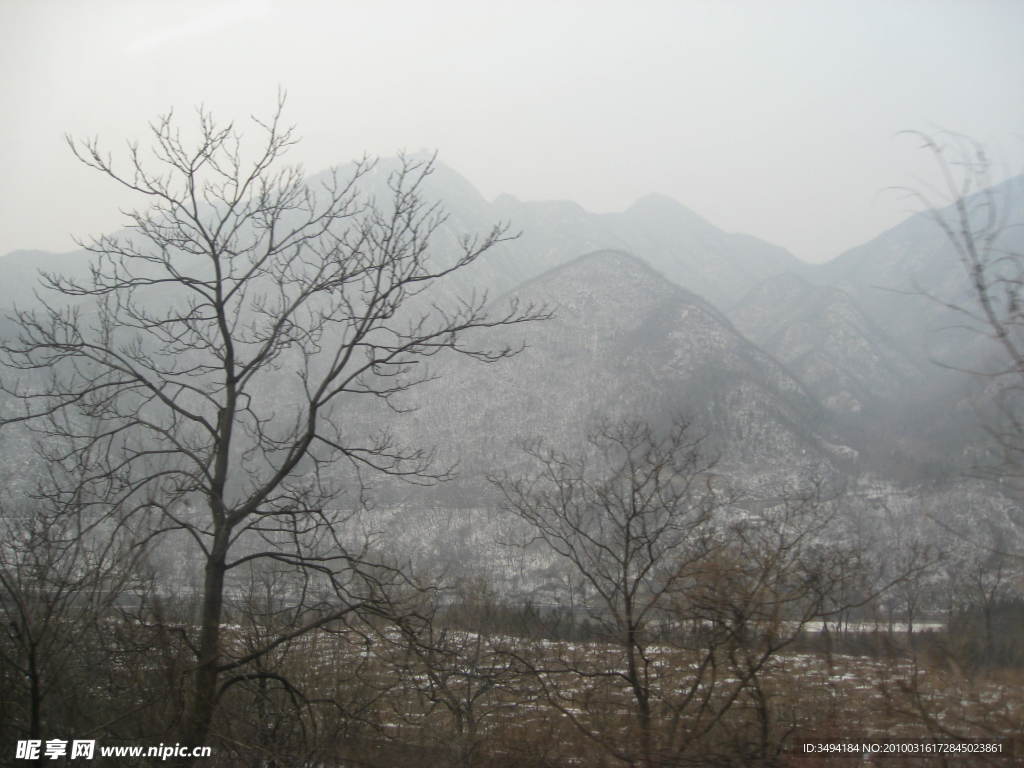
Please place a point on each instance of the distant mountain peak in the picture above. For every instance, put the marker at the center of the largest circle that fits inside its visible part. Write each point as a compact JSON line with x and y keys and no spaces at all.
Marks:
{"x":660,"y":205}
{"x":613,"y":260}
{"x":614,"y":257}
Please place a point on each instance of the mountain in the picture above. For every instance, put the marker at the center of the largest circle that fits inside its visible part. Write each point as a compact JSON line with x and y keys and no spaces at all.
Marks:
{"x":827,"y":341}
{"x":897,"y":409}
{"x":625,"y":343}
{"x":694,"y":253}
{"x":773,"y":356}
{"x":685,"y":248}
{"x":873,"y":336}
{"x":674,"y":240}
{"x":789,"y":371}
{"x":681,"y":245}
{"x":904,"y":278}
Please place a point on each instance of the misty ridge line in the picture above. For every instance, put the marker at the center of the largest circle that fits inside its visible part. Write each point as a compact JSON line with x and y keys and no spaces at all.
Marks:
{"x":455,"y":191}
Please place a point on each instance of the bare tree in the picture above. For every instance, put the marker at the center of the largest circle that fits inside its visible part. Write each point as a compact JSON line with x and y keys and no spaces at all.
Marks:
{"x":205,"y":377}
{"x":984,"y":227}
{"x":980,"y":224}
{"x":452,"y":664}
{"x":694,"y":588}
{"x":983,"y":578}
{"x":629,"y":515}
{"x":59,"y":581}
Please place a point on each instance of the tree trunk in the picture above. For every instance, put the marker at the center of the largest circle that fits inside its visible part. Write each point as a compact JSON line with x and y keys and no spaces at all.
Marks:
{"x":35,"y":726}
{"x":640,"y":694}
{"x":197,"y":726}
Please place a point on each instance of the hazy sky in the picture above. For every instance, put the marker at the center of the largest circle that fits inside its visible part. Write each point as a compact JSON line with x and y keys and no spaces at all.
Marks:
{"x":779,"y":119}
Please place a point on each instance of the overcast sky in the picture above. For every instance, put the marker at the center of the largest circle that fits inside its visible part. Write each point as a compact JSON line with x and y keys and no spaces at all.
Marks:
{"x":779,"y":119}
